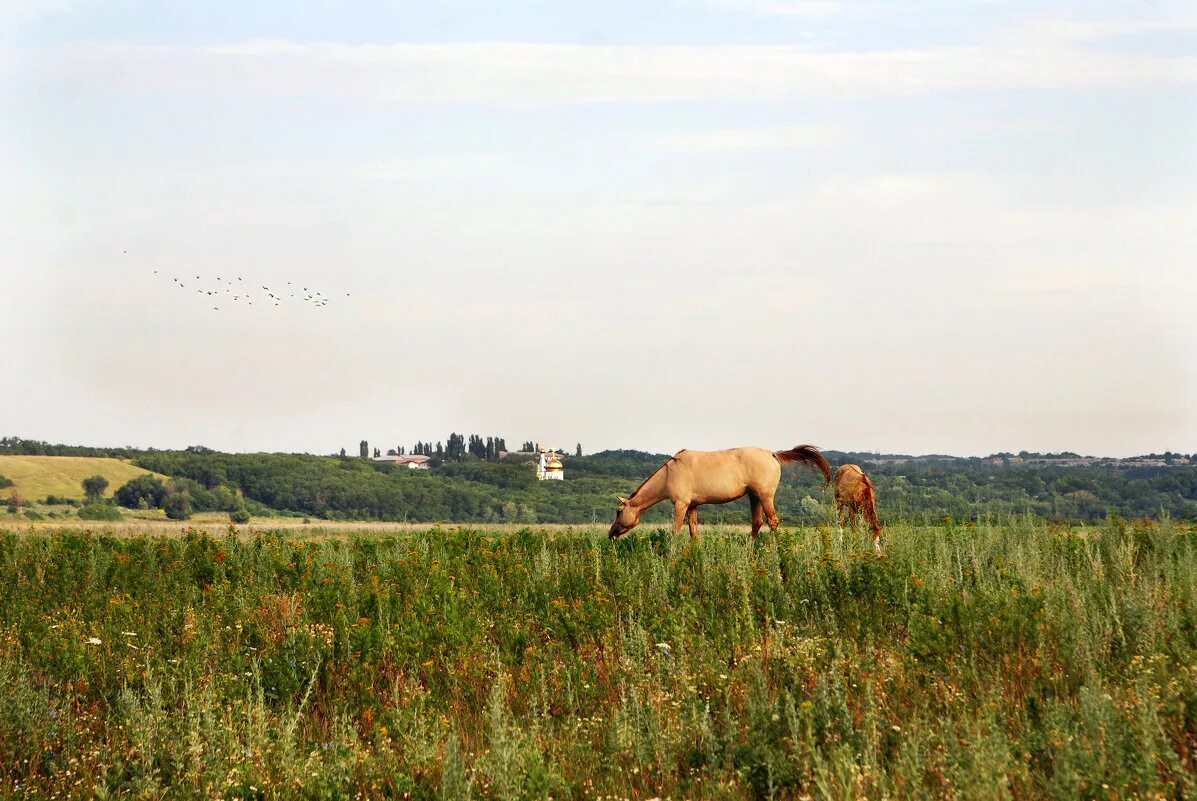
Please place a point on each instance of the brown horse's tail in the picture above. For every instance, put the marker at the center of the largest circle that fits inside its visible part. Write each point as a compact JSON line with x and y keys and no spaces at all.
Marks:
{"x":807,"y":454}
{"x":869,"y":500}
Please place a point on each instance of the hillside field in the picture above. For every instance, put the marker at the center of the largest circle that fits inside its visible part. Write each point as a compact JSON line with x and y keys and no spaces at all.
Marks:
{"x":1006,"y":661}
{"x":36,"y":477}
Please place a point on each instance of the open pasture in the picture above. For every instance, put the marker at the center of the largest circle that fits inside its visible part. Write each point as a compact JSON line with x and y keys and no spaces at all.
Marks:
{"x":996,"y":661}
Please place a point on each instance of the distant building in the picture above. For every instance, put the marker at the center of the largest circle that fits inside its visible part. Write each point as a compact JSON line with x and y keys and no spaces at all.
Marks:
{"x":413,"y":461}
{"x":549,"y":468}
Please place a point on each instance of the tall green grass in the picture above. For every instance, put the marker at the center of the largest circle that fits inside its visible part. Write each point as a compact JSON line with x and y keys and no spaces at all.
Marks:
{"x":999,"y":661}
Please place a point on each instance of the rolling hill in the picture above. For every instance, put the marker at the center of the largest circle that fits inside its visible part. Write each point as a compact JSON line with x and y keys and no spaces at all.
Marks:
{"x":36,"y":477}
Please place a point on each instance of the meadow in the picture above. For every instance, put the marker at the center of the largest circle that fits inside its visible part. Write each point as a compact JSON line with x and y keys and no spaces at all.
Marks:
{"x":1010,"y":659}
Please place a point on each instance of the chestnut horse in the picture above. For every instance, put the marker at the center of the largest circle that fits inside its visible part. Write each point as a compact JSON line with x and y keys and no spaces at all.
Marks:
{"x":854,"y":498}
{"x":692,"y":478}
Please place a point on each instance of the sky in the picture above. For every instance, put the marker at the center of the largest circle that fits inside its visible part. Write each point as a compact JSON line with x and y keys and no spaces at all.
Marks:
{"x":935,"y":226}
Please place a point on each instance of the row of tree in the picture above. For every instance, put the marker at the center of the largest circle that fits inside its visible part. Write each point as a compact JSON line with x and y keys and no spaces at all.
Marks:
{"x":457,"y":449}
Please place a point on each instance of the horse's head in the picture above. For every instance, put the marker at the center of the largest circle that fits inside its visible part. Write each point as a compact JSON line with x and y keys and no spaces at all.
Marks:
{"x":627,"y":517}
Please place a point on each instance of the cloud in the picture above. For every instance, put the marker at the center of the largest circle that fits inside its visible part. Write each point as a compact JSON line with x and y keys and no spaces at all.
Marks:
{"x":29,"y":9}
{"x":526,"y":74}
{"x":789,"y":8}
{"x":1065,"y":30}
{"x":741,"y":139}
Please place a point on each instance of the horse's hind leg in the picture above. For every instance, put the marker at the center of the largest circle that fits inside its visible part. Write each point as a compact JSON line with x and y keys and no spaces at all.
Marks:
{"x":692,"y":518}
{"x":758,"y":516}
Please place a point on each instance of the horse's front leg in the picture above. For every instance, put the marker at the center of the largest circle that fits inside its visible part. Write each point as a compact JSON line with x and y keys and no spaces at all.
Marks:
{"x":680,"y":510}
{"x":692,"y":519}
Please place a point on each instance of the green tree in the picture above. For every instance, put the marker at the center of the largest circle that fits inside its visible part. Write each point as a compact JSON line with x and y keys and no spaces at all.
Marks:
{"x":145,"y":488}
{"x":178,"y":505}
{"x":579,"y":451}
{"x":93,"y":488}
{"x":364,"y":449}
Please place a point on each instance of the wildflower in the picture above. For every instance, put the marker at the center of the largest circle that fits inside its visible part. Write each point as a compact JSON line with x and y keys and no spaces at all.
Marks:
{"x":94,"y":641}
{"x":896,"y":728}
{"x":664,"y":648}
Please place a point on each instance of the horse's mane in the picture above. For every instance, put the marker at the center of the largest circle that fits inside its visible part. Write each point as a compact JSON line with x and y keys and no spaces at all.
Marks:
{"x":664,"y":464}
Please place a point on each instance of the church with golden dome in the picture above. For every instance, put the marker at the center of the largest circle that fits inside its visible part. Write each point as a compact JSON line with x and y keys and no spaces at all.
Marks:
{"x":549,"y":468}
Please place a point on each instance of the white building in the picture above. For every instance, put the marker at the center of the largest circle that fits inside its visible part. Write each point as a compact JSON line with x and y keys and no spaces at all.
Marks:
{"x":413,"y":461}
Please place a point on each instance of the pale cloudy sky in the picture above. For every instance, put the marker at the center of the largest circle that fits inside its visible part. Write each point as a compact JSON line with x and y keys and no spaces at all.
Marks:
{"x":953,"y":226}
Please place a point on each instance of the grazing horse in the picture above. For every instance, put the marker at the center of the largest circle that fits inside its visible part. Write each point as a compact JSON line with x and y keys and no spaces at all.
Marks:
{"x":854,"y":497}
{"x":692,"y":478}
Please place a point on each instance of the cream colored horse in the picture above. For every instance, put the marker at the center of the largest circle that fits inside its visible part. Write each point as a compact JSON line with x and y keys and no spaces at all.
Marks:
{"x":854,"y":498}
{"x":692,"y":478}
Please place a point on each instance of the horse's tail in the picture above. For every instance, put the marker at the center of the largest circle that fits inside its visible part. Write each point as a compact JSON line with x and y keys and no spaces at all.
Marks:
{"x":806,"y":454}
{"x":869,"y":500}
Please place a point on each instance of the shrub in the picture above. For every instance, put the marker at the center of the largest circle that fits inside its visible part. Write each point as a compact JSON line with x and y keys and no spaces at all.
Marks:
{"x":239,"y":516}
{"x":5,"y":482}
{"x":99,"y":511}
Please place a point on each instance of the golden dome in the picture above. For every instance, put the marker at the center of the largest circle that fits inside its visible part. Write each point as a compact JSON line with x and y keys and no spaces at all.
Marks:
{"x":554,"y":464}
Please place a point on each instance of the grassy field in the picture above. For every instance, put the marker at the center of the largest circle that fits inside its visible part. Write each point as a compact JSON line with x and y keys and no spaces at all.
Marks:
{"x":39,"y":476}
{"x":1002,"y":661}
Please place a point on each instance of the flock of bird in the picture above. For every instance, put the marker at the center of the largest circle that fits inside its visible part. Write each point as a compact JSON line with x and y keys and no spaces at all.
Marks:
{"x":236,"y":289}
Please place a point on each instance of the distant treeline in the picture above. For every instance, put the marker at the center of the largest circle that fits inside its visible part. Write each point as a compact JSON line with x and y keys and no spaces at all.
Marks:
{"x":480,"y":490}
